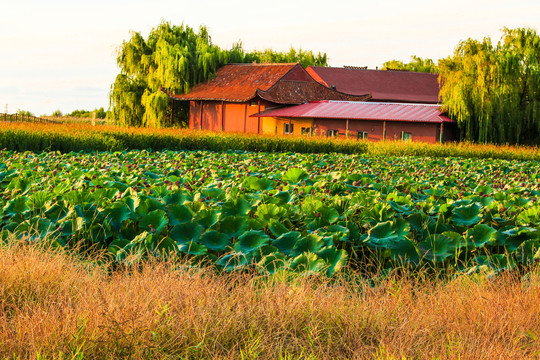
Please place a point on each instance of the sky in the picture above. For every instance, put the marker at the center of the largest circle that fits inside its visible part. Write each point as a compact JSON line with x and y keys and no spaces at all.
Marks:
{"x":61,"y":55}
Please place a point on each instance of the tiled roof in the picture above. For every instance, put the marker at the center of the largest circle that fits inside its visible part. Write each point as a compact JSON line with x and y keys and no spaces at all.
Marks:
{"x":238,"y":82}
{"x":299,"y":92}
{"x":354,"y":110}
{"x":384,"y":85}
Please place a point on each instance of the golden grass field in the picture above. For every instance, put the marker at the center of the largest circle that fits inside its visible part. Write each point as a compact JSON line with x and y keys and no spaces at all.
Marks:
{"x":56,"y":306}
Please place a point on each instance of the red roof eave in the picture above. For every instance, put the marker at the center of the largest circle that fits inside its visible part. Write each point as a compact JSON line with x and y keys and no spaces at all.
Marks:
{"x":426,"y":113}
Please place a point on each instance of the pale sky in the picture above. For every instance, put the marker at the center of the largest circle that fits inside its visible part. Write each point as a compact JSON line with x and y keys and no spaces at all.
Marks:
{"x":60,"y":55}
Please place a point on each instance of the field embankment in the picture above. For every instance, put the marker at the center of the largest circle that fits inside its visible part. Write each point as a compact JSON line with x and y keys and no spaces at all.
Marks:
{"x":85,"y":137}
{"x":53,"y":305}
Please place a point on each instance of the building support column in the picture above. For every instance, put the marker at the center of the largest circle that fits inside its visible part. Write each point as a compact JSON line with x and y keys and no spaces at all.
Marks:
{"x":222,"y":116}
{"x":384,"y":131}
{"x":200,"y":120}
{"x":290,"y":123}
{"x":441,"y":134}
{"x":245,"y":118}
{"x":347,"y":129}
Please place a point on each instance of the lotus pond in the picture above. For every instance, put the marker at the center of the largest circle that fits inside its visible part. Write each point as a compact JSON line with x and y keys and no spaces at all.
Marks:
{"x":266,"y":211}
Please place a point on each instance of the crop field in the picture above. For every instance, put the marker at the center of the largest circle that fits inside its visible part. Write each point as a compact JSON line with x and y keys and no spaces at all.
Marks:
{"x":270,"y":211}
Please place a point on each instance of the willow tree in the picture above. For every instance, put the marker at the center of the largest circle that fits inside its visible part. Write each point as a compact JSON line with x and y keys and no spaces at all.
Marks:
{"x":494,"y":91}
{"x":176,"y":58}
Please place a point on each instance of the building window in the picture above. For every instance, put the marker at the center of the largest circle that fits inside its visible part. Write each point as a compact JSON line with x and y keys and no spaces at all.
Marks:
{"x":288,"y":128}
{"x":406,"y":136}
{"x":332,"y":133}
{"x":306,"y":131}
{"x":362,"y":135}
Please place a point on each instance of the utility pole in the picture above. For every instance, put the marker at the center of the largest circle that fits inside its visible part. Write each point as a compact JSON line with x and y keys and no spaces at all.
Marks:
{"x":6,"y":109}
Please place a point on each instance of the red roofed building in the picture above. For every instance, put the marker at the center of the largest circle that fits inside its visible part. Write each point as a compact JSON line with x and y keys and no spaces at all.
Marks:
{"x":370,"y":120}
{"x":238,"y":91}
{"x":383,"y":85}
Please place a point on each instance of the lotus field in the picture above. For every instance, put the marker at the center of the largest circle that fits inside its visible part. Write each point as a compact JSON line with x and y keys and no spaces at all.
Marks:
{"x":269,"y":211}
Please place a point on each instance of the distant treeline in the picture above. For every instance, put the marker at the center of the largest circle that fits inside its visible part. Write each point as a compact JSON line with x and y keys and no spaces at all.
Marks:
{"x":99,"y":113}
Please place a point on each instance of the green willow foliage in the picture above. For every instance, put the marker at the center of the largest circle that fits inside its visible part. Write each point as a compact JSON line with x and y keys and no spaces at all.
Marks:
{"x":417,"y":64}
{"x":494,"y":91}
{"x":175,"y":58}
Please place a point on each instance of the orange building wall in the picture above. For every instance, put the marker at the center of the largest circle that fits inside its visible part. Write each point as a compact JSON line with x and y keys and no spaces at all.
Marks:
{"x":424,"y":132}
{"x":228,"y":117}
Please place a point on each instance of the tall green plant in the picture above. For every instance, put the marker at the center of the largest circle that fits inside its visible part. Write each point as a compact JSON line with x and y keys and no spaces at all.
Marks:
{"x":493,"y":91}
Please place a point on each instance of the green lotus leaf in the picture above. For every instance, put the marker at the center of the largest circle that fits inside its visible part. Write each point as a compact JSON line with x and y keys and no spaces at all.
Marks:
{"x":276,"y":227}
{"x":270,"y":211}
{"x":192,"y":248}
{"x":38,"y":200}
{"x":295,"y":175}
{"x":338,"y":232}
{"x":496,"y":261}
{"x":530,"y":216}
{"x":179,"y":214}
{"x":215,"y":241}
{"x":272,"y":262}
{"x":214,"y":193}
{"x":308,"y":262}
{"x":309,"y":243}
{"x":177,"y":197}
{"x":281,"y":198}
{"x":383,"y":234}
{"x":325,"y":216}
{"x":132,"y":202}
{"x":36,"y":227}
{"x":254,"y":183}
{"x":235,"y":207}
{"x":16,"y":206}
{"x":528,"y":252}
{"x":20,"y":184}
{"x":286,"y":242}
{"x":233,"y":262}
{"x":187,"y":232}
{"x":404,"y":251}
{"x":335,"y":259}
{"x":232,"y":225}
{"x":117,"y":214}
{"x":251,"y":241}
{"x":514,"y":237}
{"x":155,"y":220}
{"x":439,"y":247}
{"x":161,"y":245}
{"x":466,"y":215}
{"x":403,"y":209}
{"x":117,"y":245}
{"x":480,"y":235}
{"x":207,"y":217}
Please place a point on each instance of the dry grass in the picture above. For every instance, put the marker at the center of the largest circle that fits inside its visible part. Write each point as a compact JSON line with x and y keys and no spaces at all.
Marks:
{"x":53,"y":305}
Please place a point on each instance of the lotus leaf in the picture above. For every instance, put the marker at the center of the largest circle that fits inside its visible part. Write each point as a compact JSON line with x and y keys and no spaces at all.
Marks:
{"x":480,"y":235}
{"x":233,"y":262}
{"x":308,"y":262}
{"x":295,"y":175}
{"x":187,"y":232}
{"x":467,"y":215}
{"x":273,"y":262}
{"x":215,"y":241}
{"x":335,"y":259}
{"x":286,"y":242}
{"x":251,"y":241}
{"x":178,"y":214}
{"x":155,"y":221}
{"x":193,"y":248}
